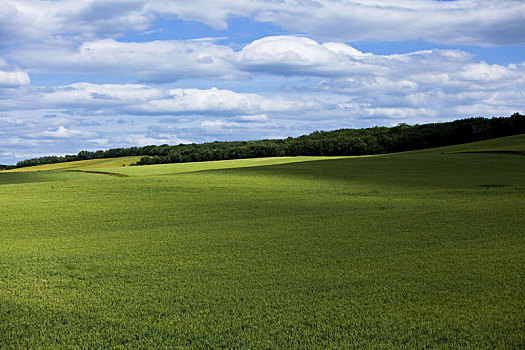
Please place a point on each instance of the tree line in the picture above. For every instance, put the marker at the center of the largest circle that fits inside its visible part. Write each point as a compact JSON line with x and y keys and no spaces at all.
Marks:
{"x":354,"y":142}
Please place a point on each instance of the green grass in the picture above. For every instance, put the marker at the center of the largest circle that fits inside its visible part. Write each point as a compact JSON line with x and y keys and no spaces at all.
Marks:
{"x":422,"y":249}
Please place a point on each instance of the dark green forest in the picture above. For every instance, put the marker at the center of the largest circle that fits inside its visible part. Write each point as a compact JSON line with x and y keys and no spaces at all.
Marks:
{"x":341,"y":142}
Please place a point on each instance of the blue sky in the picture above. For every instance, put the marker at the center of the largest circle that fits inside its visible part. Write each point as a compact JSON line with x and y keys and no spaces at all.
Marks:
{"x":86,"y":75}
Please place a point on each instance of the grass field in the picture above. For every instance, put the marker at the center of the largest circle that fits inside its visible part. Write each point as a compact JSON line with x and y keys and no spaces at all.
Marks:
{"x":422,"y":249}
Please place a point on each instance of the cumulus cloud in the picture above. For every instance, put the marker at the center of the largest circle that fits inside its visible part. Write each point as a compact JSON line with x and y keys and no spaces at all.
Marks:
{"x":11,"y":76}
{"x":291,"y":55}
{"x":13,"y":79}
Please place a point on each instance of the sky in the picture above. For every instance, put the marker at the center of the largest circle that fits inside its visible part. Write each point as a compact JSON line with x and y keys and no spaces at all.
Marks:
{"x":87,"y":75}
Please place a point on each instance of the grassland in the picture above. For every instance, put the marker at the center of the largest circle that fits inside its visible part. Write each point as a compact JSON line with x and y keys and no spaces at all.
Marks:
{"x":422,"y":249}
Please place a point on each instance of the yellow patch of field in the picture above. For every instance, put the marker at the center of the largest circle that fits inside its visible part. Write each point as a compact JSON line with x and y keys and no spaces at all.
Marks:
{"x":174,"y":168}
{"x":82,"y":164}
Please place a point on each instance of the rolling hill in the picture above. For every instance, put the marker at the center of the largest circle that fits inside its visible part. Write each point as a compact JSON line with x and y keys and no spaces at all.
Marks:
{"x":419,"y":249}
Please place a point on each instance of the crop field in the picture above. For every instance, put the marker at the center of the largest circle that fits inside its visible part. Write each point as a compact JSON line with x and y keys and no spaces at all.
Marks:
{"x":82,"y":164}
{"x":422,"y":249}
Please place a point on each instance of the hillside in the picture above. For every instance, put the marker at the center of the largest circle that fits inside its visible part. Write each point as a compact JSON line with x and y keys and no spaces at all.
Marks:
{"x":419,"y":249}
{"x":343,"y":142}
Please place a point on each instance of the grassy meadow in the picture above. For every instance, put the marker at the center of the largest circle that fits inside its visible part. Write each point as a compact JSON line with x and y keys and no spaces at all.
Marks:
{"x":421,"y":249}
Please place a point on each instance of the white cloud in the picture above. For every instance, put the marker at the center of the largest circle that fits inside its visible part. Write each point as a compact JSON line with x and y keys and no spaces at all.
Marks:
{"x":138,"y":99}
{"x":488,"y":73}
{"x":83,"y":98}
{"x":13,"y":79}
{"x":22,"y":141}
{"x":216,"y":123}
{"x":87,"y":94}
{"x":399,"y":113}
{"x":244,"y":122}
{"x":210,"y":101}
{"x":10,"y":122}
{"x":155,"y":61}
{"x":11,"y":76}
{"x":142,"y":140}
{"x":235,"y":129}
{"x":252,"y":118}
{"x":292,"y":55}
{"x":63,"y":132}
{"x":99,"y":142}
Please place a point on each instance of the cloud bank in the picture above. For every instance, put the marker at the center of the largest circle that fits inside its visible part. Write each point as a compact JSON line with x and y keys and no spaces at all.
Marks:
{"x":435,"y":79}
{"x":465,"y":22}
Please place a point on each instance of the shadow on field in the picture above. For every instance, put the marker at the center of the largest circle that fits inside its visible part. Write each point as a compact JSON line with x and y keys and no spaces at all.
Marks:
{"x":98,"y":172}
{"x":514,"y":153}
{"x":21,"y":177}
{"x":409,"y":169}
